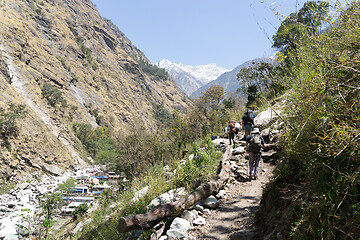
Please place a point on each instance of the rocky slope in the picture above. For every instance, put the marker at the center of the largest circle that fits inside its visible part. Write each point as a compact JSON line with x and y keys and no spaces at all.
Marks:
{"x":191,"y":78}
{"x":67,"y":45}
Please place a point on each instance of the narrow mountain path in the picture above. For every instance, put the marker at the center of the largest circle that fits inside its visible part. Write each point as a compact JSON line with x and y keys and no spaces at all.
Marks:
{"x":233,"y":219}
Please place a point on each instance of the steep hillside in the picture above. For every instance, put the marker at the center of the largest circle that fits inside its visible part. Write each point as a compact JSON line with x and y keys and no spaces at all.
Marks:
{"x":190,"y":78}
{"x":68,"y":65}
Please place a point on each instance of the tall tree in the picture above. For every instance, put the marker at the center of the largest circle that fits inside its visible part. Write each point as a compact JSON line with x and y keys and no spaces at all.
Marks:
{"x":308,"y":21}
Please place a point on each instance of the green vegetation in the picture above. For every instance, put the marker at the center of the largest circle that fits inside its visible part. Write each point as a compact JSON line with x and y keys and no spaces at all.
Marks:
{"x":159,"y":73}
{"x":98,"y":143}
{"x":315,"y":193}
{"x":87,"y":54}
{"x":49,"y":203}
{"x":261,"y":82}
{"x":141,"y":155}
{"x":201,"y":167}
{"x":162,"y":114}
{"x":53,"y":96}
{"x":68,"y":185}
{"x":5,"y":187}
{"x":94,"y":112}
{"x":8,"y":122}
{"x":79,"y":211}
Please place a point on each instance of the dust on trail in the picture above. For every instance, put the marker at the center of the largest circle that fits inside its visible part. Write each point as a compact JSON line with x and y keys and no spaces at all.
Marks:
{"x":234,"y":218}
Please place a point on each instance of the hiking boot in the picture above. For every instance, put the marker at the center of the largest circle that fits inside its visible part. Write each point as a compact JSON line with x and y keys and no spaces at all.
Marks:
{"x":255,"y":177}
{"x":251,"y":176}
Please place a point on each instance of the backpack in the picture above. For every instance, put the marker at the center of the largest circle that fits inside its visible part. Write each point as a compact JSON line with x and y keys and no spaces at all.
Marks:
{"x":250,"y":115}
{"x":255,"y":143}
{"x":232,"y":128}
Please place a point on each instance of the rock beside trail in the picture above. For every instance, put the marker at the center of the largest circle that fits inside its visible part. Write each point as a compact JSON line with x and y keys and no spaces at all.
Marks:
{"x":199,"y":221}
{"x":178,"y":228}
{"x":190,"y":215}
{"x":167,"y":197}
{"x":211,"y":202}
{"x":265,"y":117}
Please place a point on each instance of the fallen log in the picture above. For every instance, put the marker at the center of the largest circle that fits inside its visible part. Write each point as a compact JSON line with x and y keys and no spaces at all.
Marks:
{"x":149,"y":219}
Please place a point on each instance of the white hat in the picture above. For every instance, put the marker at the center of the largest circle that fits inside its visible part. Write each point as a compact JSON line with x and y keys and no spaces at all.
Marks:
{"x":255,"y":130}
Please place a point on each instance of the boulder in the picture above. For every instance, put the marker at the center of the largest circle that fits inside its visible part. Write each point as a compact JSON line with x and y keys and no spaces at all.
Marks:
{"x":199,"y":207}
{"x":238,"y":150}
{"x":178,"y":228}
{"x":266,"y":156}
{"x":190,"y":215}
{"x":266,"y":117}
{"x":23,"y":186}
{"x":235,"y":158}
{"x":218,"y":142}
{"x":167,"y":197}
{"x":78,"y":228}
{"x":221,"y":194}
{"x":207,"y":212}
{"x":211,"y":202}
{"x":52,"y":169}
{"x":200,"y":221}
{"x":139,"y":194}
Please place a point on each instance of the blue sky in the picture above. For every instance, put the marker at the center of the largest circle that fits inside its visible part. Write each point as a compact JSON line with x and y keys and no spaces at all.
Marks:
{"x":197,"y":32}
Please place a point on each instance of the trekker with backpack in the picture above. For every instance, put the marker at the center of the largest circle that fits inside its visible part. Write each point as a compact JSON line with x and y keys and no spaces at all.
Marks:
{"x":248,"y":122}
{"x":232,"y":131}
{"x":255,"y":142}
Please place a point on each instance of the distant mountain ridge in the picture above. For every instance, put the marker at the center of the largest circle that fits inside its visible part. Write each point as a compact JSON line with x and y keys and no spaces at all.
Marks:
{"x":190,"y":78}
{"x":227,"y":80}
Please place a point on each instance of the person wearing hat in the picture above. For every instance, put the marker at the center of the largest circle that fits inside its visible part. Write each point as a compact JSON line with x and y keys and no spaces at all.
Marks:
{"x":254,"y":143}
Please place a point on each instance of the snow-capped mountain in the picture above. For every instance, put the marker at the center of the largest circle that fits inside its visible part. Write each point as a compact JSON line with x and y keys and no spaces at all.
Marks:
{"x":228,"y":80}
{"x":191,"y":78}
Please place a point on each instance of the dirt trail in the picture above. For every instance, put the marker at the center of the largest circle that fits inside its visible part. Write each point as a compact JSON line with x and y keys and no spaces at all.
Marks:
{"x":234,"y":218}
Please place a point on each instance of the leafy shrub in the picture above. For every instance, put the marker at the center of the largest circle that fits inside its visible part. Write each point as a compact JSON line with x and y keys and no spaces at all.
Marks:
{"x":79,"y":211}
{"x":158,"y":73}
{"x":53,"y":95}
{"x":162,"y":114}
{"x":9,"y":118}
{"x":315,"y":194}
{"x":201,"y":167}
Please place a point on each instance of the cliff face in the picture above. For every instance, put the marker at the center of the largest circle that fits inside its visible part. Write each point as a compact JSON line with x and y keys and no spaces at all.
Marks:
{"x":67,"y":45}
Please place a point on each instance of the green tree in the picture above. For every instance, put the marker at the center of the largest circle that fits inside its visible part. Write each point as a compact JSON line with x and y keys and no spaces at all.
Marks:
{"x":79,"y":211}
{"x":162,"y":114}
{"x":213,"y":96}
{"x":9,"y":118}
{"x":209,"y":105}
{"x":308,"y":21}
{"x":260,"y":78}
{"x":53,"y":95}
{"x":68,"y":185}
{"x":48,"y":205}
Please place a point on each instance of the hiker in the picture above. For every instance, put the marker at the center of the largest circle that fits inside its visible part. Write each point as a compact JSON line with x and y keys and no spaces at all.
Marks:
{"x":255,"y":141}
{"x":248,"y":122}
{"x":232,"y":131}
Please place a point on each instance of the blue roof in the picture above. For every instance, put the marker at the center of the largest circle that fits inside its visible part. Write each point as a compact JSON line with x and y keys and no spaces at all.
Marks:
{"x":101,"y":176}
